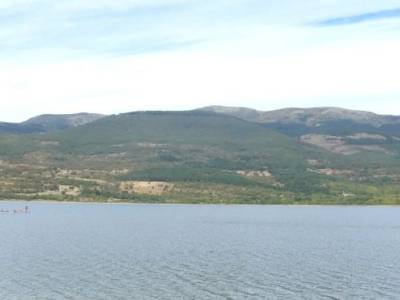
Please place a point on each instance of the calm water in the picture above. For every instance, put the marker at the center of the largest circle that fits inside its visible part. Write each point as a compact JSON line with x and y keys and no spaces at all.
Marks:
{"x":89,"y":251}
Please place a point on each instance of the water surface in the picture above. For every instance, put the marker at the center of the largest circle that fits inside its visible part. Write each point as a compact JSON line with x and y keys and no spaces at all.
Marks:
{"x":97,"y":251}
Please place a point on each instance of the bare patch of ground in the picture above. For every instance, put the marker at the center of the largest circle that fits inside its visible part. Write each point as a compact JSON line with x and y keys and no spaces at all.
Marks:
{"x":119,"y":172}
{"x":69,"y":190}
{"x":146,"y":187}
{"x":346,"y":195}
{"x":367,"y":136}
{"x":98,"y":181}
{"x":6,"y":185}
{"x":338,"y":145}
{"x":331,"y":172}
{"x":265,"y":173}
{"x":261,"y":174}
{"x":151,"y":145}
{"x":63,"y":190}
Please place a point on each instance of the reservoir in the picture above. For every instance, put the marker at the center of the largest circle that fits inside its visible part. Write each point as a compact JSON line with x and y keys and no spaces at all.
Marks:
{"x":129,"y":251}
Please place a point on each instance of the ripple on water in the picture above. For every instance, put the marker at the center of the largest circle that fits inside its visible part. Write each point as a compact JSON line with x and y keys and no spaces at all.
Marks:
{"x":81,"y":251}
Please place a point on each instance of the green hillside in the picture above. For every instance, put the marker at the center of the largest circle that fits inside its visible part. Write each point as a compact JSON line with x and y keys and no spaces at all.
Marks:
{"x":46,"y":123}
{"x":18,"y":128}
{"x":191,"y":156}
{"x":59,"y":122}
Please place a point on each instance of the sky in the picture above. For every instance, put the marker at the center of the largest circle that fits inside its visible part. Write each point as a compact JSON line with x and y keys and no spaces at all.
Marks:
{"x":113,"y":56}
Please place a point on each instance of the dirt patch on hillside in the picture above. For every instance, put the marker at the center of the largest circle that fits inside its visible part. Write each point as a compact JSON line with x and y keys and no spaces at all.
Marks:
{"x":151,"y":145}
{"x":146,"y":187}
{"x":338,"y":145}
{"x":367,"y":136}
{"x":331,"y":172}
{"x":265,"y":173}
{"x":6,"y":185}
{"x":63,"y":190}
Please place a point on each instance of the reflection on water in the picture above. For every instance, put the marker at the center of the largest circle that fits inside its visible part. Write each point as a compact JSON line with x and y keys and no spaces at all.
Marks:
{"x":95,"y":251}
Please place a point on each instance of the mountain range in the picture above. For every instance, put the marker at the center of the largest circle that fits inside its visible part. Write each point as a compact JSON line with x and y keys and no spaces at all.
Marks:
{"x":209,"y":155}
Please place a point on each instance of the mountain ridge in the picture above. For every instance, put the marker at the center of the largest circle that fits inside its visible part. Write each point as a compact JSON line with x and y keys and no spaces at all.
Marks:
{"x":308,"y":116}
{"x":49,"y":122}
{"x":287,"y":114}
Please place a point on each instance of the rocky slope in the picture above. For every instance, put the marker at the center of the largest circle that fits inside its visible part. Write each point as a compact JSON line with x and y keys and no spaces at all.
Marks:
{"x":334,"y":129}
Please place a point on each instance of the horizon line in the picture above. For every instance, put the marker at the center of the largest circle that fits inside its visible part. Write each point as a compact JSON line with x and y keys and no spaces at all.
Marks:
{"x":199,"y":109}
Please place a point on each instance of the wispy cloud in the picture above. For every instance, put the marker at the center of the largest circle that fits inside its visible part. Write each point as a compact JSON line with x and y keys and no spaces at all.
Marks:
{"x":65,"y":28}
{"x":133,"y":28}
{"x":174,"y":54}
{"x":360,"y":18}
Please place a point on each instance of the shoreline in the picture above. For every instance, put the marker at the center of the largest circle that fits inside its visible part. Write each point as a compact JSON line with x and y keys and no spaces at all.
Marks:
{"x":190,"y":204}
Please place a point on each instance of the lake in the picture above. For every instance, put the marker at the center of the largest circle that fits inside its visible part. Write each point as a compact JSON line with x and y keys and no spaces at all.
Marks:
{"x":101,"y":251}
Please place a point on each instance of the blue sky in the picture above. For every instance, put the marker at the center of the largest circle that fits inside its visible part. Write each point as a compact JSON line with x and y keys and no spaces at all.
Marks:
{"x":113,"y":56}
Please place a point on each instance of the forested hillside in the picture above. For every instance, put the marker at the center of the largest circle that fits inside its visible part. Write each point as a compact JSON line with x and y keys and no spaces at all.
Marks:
{"x":198,"y":157}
